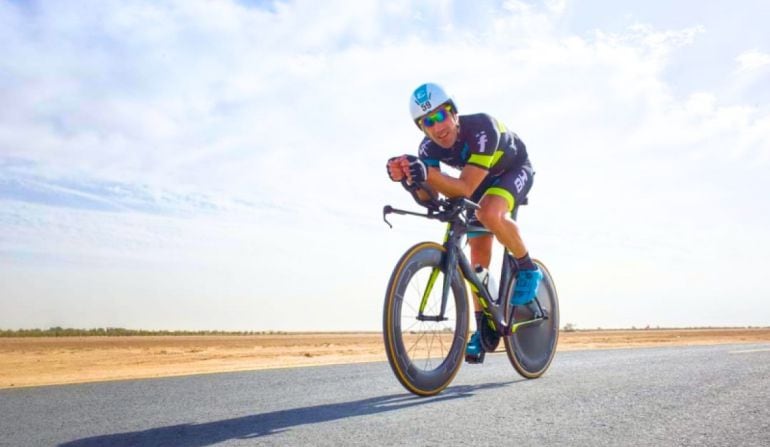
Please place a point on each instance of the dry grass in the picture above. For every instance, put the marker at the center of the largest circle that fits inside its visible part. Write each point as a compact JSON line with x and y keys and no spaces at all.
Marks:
{"x":61,"y":360}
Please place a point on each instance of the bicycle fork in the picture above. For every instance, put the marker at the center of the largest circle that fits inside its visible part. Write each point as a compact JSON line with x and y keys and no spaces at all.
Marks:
{"x":449,"y":261}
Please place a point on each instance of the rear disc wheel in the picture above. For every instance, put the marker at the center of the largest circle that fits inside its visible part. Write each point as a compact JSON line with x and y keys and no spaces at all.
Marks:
{"x":532,"y":347}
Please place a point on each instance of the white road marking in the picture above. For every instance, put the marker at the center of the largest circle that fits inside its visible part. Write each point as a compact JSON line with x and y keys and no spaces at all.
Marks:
{"x":749,"y":351}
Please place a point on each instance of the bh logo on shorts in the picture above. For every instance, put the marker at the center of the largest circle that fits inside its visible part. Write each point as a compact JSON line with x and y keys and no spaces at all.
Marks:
{"x":521,"y":180}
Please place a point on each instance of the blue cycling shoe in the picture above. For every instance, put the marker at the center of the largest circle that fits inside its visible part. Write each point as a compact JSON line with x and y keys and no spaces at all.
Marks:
{"x":474,"y":352}
{"x":527,"y":282}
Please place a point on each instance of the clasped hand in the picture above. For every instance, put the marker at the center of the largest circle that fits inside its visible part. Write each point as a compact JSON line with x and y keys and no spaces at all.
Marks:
{"x":407,"y":166}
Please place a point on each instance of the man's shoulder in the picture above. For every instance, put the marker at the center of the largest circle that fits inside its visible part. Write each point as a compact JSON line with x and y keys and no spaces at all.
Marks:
{"x":477,"y":118}
{"x":478,"y":121}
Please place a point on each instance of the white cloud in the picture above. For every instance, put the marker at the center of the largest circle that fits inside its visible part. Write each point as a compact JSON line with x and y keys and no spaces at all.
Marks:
{"x":296,"y":107}
{"x":557,"y":6}
{"x":752,"y":60}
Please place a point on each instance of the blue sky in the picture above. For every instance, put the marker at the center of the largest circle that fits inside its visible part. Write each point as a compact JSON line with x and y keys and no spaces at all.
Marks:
{"x":219,"y":165}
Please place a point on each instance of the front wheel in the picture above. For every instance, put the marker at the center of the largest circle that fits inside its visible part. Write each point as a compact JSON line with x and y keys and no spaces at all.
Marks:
{"x":532,"y":347}
{"x":425,"y":353}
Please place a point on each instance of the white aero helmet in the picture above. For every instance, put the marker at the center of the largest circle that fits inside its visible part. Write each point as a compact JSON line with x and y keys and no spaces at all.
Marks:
{"x":426,"y":98}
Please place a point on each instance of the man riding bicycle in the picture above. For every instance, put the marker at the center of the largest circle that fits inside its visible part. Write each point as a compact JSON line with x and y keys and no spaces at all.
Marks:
{"x":495,"y":173}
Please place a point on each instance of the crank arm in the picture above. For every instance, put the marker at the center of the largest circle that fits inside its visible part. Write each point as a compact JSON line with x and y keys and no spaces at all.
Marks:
{"x":516,"y":326}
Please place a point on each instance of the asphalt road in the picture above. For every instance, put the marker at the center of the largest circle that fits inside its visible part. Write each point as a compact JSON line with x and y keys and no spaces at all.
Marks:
{"x":713,"y":395}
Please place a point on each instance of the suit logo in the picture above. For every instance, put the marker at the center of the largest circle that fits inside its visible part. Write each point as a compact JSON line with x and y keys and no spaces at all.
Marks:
{"x":482,"y":140}
{"x":521,"y":180}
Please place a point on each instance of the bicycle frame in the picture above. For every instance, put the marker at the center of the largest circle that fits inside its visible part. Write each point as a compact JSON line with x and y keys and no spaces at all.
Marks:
{"x":493,"y":307}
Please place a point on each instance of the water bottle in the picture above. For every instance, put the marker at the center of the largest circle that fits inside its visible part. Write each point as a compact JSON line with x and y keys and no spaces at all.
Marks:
{"x":488,"y":280}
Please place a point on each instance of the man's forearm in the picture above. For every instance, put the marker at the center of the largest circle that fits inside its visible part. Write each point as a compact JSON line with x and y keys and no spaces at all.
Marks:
{"x":422,"y":194}
{"x":449,"y":186}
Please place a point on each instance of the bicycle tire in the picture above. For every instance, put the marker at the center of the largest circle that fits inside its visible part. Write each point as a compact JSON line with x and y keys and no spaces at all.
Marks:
{"x":532,"y":348}
{"x":411,"y":344}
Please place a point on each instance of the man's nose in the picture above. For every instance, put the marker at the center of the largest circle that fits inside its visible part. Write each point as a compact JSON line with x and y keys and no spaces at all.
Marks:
{"x":442,"y":125}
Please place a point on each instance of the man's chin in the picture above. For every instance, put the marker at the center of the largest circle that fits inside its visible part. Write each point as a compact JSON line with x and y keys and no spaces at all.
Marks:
{"x":444,"y":143}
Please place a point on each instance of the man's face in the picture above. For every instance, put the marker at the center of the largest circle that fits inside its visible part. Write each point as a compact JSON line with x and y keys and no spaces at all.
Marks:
{"x":440,"y":125}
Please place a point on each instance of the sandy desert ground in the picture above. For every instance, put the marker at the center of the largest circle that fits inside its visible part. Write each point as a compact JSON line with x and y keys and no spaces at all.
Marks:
{"x":60,"y":360}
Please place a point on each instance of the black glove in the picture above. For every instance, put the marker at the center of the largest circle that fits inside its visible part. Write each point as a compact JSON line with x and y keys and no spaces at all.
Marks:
{"x":417,"y":169}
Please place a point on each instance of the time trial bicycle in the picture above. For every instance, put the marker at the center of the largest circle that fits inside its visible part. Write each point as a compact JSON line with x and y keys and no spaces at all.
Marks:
{"x":425,"y":316}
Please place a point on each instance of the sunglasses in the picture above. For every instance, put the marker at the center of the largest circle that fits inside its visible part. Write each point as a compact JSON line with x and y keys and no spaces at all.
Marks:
{"x":436,"y":117}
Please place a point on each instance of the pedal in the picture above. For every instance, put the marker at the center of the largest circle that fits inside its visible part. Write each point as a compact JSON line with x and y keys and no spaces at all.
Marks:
{"x":475,"y":359}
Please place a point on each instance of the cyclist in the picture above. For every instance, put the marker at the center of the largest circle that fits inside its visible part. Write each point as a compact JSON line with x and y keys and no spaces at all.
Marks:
{"x":495,"y":172}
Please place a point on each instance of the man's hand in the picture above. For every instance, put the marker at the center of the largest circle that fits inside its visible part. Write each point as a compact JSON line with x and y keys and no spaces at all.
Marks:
{"x":417,"y":172}
{"x":397,"y":168}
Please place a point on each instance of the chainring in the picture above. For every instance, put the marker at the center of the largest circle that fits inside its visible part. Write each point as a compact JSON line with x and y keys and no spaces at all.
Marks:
{"x":489,"y":337}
